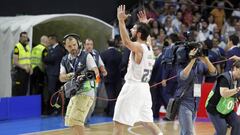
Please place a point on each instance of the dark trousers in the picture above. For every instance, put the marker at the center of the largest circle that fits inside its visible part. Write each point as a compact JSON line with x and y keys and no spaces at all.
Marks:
{"x":20,"y":83}
{"x":156,"y":100}
{"x":38,"y":87}
{"x":168,"y":91}
{"x":53,"y":85}
{"x":113,"y":90}
{"x":37,"y":82}
{"x":220,"y":124}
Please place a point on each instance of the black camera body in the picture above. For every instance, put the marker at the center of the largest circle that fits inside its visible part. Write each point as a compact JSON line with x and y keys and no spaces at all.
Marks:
{"x":75,"y":85}
{"x":182,"y":50}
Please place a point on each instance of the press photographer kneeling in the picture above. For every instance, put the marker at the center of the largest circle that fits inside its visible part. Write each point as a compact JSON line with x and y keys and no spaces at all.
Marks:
{"x":192,"y":65}
{"x":76,"y":69}
{"x":221,"y":101}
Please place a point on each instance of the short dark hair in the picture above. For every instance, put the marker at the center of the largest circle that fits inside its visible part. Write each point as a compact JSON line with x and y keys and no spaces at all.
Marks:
{"x":22,"y":33}
{"x":89,"y":39}
{"x":54,"y":37}
{"x":111,"y":43}
{"x":144,"y":29}
{"x":174,"y":37}
{"x":234,"y":38}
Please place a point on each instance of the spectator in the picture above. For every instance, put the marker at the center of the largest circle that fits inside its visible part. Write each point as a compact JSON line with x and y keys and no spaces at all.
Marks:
{"x":219,"y":14}
{"x":233,"y":40}
{"x":52,"y":60}
{"x":112,"y":59}
{"x":156,"y":92}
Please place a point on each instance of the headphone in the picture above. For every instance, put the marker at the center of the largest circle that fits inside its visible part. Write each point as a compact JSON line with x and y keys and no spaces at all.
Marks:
{"x":75,"y":36}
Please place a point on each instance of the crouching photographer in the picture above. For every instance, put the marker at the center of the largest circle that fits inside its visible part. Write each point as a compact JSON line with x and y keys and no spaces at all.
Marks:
{"x":221,"y":101}
{"x":192,"y":65}
{"x":78,"y":69}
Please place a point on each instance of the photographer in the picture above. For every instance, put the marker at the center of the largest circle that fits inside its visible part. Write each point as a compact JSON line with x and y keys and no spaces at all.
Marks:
{"x":80,"y":103}
{"x":221,"y":101}
{"x":191,"y":69}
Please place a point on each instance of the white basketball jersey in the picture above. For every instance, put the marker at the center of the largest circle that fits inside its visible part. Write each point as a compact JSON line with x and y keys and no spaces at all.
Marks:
{"x":141,"y":72}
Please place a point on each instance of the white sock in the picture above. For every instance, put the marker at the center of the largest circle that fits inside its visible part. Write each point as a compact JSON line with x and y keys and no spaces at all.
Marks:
{"x":160,"y":133}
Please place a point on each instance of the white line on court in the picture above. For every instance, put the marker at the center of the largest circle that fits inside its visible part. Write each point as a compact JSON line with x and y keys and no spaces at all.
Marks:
{"x":36,"y":133}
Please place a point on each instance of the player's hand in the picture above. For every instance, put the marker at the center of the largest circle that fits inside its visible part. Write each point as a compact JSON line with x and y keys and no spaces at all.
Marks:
{"x":142,"y":17}
{"x":121,"y":13}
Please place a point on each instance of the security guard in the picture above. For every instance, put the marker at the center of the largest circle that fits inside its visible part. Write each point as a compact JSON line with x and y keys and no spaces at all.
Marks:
{"x":21,"y":68}
{"x":221,"y":101}
{"x":37,"y":78}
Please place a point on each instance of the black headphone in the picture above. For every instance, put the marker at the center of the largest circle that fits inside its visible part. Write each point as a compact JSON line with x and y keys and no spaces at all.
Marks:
{"x":74,"y":35}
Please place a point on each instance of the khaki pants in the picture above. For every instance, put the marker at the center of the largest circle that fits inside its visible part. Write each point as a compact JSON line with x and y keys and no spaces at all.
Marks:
{"x":77,"y":110}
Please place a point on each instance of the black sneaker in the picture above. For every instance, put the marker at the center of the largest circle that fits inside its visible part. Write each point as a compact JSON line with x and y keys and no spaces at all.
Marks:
{"x":166,"y":119}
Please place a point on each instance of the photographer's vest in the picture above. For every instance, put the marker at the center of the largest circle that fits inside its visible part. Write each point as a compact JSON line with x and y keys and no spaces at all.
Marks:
{"x":36,"y":58}
{"x":24,"y":55}
{"x":80,"y":62}
{"x":224,"y":105}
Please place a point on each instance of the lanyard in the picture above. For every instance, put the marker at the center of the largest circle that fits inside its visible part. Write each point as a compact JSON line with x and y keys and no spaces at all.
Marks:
{"x":74,"y":65}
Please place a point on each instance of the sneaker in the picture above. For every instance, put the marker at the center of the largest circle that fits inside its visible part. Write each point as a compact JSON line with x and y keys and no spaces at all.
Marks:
{"x":166,"y":119}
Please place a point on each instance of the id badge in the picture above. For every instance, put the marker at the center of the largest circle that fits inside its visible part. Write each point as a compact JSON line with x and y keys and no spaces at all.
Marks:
{"x":197,"y":90}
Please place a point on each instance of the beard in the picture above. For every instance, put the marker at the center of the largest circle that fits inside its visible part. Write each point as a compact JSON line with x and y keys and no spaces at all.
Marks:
{"x":134,"y":38}
{"x":74,"y":52}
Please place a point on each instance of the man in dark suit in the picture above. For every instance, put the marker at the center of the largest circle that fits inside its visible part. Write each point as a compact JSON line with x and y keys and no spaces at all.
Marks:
{"x":52,"y":59}
{"x":232,"y":43}
{"x":156,"y":91}
{"x":112,"y":60}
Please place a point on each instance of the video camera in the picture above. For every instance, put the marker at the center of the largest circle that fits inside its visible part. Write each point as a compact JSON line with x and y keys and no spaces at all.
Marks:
{"x":75,"y":85}
{"x":183,"y":48}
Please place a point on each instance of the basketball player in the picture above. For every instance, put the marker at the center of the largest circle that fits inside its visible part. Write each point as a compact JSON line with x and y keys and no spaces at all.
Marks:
{"x":134,"y":101}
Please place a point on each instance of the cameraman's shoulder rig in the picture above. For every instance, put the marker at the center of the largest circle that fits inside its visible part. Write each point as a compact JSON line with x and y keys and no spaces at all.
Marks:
{"x":83,"y":80}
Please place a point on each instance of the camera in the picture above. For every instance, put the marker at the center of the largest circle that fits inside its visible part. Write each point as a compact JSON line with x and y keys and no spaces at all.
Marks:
{"x":75,"y":85}
{"x":183,"y":48}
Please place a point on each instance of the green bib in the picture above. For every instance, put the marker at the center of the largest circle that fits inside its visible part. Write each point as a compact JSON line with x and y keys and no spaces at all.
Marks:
{"x":87,"y":86}
{"x":225,"y":105}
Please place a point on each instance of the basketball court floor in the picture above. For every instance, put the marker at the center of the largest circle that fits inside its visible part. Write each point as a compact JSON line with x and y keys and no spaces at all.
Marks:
{"x":99,"y":125}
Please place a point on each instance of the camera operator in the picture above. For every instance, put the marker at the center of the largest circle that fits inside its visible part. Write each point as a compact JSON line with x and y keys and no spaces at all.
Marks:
{"x":191,"y":70}
{"x":80,"y":103}
{"x":221,"y":101}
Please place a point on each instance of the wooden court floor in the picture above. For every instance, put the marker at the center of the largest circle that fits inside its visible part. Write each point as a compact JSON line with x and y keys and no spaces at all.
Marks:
{"x":168,"y":128}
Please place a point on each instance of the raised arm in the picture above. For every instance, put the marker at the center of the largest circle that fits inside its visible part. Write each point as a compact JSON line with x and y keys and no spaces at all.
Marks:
{"x":133,"y":46}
